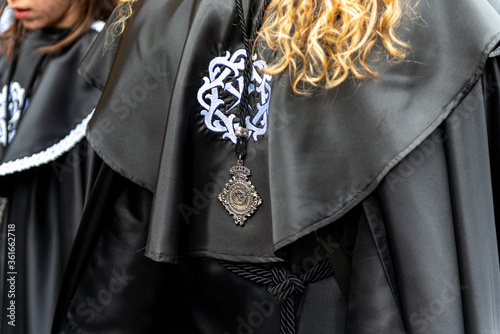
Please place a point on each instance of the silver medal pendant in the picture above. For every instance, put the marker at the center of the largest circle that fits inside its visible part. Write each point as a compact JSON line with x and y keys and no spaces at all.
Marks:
{"x":239,"y":196}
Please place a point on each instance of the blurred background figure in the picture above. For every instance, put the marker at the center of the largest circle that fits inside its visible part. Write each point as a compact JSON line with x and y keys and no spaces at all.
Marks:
{"x":44,"y":157}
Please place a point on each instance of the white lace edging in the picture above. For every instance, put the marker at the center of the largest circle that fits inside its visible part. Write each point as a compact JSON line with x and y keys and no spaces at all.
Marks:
{"x":49,"y":154}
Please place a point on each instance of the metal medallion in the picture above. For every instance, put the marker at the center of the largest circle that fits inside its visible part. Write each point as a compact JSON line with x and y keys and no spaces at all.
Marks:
{"x":239,"y":195}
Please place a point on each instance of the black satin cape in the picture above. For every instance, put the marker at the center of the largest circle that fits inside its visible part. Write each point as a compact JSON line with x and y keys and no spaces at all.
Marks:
{"x":43,"y":177}
{"x":397,"y":173}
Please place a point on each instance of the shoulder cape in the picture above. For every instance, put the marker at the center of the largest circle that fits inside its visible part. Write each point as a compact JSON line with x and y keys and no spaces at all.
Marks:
{"x":318,"y":157}
{"x":60,"y":106}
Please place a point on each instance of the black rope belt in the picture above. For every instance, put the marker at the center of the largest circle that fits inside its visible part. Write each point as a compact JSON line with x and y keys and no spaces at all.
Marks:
{"x":283,"y":285}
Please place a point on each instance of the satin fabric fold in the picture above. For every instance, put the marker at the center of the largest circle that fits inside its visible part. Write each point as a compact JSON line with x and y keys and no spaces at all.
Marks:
{"x":55,"y":89}
{"x":309,"y":144}
{"x":400,"y":169}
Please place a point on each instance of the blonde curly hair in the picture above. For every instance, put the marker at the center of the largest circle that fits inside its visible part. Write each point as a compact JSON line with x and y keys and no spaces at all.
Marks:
{"x":124,"y":9}
{"x":322,"y":42}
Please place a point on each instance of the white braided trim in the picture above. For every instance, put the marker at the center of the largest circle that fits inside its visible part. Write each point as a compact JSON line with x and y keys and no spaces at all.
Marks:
{"x":49,"y":154}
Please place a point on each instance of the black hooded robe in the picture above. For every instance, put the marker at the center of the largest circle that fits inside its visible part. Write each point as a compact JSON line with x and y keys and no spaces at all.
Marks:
{"x":379,"y":198}
{"x":44,"y":167}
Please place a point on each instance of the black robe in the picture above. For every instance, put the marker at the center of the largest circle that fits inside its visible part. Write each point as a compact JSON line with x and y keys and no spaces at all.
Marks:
{"x":44,"y":167}
{"x":379,"y":198}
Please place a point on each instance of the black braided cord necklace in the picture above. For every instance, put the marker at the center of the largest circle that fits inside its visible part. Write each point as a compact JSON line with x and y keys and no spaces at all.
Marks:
{"x":239,"y":196}
{"x":29,"y":91}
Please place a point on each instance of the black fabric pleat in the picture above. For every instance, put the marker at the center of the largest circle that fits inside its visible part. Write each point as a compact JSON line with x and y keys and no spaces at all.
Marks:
{"x":114,"y":288}
{"x":42,"y":196}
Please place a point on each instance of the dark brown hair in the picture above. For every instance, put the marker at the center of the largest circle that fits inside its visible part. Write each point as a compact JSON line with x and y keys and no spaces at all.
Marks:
{"x":88,"y":12}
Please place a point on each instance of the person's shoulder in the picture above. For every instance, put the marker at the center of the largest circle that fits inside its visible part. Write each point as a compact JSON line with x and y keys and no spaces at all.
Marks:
{"x":85,"y":41}
{"x":155,"y":15}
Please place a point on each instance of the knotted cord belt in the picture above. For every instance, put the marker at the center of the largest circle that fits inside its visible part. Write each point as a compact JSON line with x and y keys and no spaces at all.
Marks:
{"x":283,"y":285}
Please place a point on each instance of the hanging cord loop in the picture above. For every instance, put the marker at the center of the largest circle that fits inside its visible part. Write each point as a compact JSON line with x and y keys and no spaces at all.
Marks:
{"x":283,"y":285}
